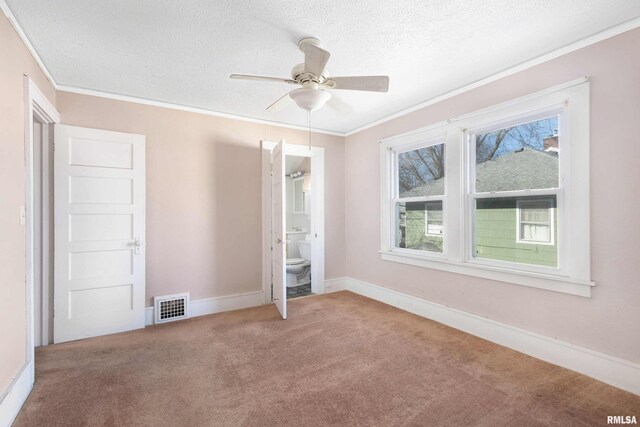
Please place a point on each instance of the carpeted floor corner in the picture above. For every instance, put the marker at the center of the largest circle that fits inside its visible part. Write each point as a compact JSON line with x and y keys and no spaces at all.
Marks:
{"x":340,"y":359}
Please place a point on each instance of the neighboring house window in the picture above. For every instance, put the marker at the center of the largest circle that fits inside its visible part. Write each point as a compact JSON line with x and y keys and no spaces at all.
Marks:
{"x":433,"y":219}
{"x":535,"y":221}
{"x":513,"y":203}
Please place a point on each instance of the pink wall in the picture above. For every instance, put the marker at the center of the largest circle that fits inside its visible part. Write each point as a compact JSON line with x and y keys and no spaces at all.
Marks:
{"x":204,"y":199}
{"x":15,"y":61}
{"x":608,"y":322}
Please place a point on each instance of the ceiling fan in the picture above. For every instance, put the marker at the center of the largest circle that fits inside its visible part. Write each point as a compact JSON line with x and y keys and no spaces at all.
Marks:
{"x":315,"y":82}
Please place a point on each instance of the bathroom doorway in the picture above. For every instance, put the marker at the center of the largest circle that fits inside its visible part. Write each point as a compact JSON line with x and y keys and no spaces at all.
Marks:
{"x":298,"y":175}
{"x":303,"y":192}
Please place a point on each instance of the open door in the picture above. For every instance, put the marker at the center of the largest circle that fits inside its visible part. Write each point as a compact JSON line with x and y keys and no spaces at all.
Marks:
{"x":279,"y":229}
{"x":99,"y":202}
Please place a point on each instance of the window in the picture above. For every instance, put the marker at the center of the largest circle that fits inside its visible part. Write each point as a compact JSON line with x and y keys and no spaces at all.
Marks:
{"x":419,"y":183}
{"x":536,"y":221}
{"x":501,"y":193}
{"x":514,"y":160}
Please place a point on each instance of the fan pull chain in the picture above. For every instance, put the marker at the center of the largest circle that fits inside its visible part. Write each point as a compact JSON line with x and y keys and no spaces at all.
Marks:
{"x":309,"y":126}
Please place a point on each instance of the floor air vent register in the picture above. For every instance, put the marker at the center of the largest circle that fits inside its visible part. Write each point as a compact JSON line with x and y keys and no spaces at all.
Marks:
{"x":169,"y":308}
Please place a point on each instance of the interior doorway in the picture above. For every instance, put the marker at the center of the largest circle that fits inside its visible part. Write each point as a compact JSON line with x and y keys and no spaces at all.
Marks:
{"x":42,"y":217}
{"x":302,"y":169}
{"x":299,"y":270}
{"x":36,"y":215}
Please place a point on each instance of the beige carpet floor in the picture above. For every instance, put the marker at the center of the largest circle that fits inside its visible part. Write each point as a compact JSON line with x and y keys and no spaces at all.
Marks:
{"x":340,"y":359}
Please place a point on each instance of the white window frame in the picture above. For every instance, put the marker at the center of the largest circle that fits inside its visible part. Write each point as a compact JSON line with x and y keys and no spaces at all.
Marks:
{"x":557,"y":108}
{"x":571,"y":101}
{"x":427,"y":140}
{"x":550,"y":224}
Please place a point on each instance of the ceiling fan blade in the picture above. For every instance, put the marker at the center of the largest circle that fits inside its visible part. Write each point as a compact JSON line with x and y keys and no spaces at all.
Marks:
{"x":280,"y":103}
{"x":261,"y":78}
{"x":368,"y":83}
{"x":338,"y":105}
{"x":315,"y":59}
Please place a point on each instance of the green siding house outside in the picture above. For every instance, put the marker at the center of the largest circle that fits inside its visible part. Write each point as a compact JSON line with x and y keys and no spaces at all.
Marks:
{"x":496,"y":234}
{"x":522,"y":230}
{"x":416,"y":236}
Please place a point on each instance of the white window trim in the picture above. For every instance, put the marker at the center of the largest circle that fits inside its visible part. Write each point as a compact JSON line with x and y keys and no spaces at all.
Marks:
{"x":550,"y":224}
{"x":520,"y":112}
{"x":431,"y":140}
{"x":573,"y":276}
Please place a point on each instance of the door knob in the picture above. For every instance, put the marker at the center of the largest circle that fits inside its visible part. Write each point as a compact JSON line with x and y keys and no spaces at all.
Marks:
{"x":137,"y":245}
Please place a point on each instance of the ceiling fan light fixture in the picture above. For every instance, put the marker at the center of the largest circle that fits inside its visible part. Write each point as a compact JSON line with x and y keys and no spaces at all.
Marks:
{"x":316,"y":82}
{"x":310,"y":99}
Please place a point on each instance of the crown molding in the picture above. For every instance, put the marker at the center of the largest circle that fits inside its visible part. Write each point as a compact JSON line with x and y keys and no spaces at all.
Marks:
{"x":72,"y":89}
{"x":16,"y":26}
{"x":587,"y":41}
{"x":162,"y":104}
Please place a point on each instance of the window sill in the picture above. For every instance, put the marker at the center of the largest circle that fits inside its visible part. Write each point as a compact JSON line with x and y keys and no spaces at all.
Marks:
{"x":524,"y":278}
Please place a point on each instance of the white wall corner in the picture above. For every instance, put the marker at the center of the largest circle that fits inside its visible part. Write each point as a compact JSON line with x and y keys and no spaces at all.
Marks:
{"x":618,"y":372}
{"x":213,"y":305}
{"x":15,"y":396}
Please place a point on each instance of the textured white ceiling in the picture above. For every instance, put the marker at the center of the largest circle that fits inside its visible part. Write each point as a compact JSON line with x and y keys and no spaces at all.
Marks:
{"x":183,"y":51}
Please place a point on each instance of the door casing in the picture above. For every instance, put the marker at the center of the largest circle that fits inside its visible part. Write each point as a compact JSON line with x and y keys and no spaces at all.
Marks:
{"x":36,"y":105}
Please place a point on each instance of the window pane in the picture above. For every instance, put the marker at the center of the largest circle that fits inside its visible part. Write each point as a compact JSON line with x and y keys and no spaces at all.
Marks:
{"x":421,"y":172}
{"x":496,"y":234}
{"x":520,"y":157}
{"x":412,"y":226}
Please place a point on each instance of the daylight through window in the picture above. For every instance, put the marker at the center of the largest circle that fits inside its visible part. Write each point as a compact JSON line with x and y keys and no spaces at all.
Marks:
{"x":420,"y":191}
{"x":512,"y":163}
{"x":501,"y":193}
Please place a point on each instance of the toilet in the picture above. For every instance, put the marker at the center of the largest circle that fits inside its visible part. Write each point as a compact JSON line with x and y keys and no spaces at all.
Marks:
{"x":299,"y":269}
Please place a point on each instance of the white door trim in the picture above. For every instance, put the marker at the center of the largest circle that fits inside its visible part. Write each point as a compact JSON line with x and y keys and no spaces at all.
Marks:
{"x":267,"y":263}
{"x":317,"y":213}
{"x":36,"y":103}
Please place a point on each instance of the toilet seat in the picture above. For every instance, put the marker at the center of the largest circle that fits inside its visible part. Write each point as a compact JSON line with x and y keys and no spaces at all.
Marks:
{"x":295,"y":261}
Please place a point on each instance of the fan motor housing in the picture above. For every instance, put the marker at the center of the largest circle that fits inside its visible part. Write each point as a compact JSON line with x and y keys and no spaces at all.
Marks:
{"x":298,"y":74}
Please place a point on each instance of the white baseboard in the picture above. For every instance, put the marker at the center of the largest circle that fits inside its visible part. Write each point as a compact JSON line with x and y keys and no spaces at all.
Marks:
{"x":16,"y":394}
{"x":213,"y":305}
{"x":335,"y":285}
{"x":603,"y":367}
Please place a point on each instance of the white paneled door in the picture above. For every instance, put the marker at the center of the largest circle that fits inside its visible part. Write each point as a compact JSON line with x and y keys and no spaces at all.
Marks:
{"x":279,"y":230}
{"x":99,"y":202}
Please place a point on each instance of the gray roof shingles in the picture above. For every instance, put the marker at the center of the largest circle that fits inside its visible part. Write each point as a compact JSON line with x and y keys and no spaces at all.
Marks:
{"x":526,"y":169}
